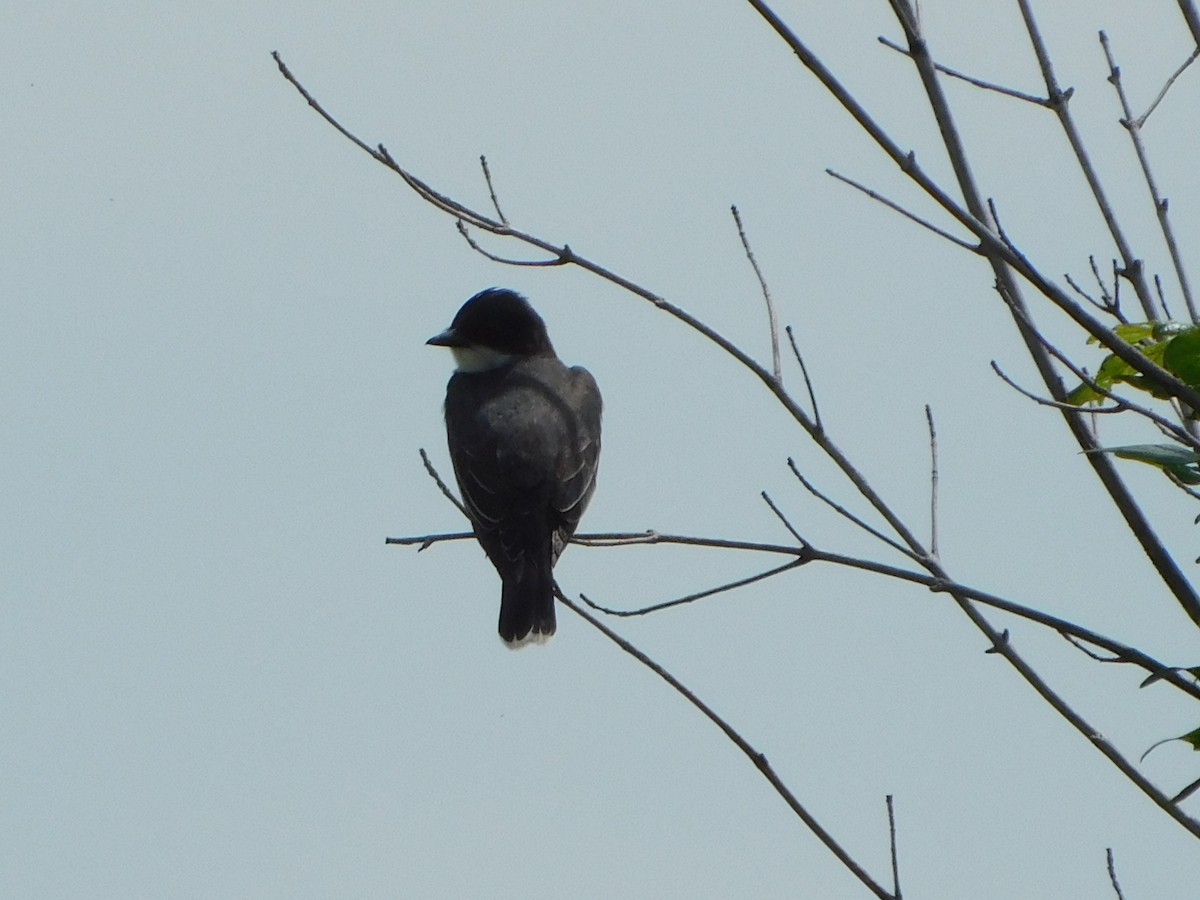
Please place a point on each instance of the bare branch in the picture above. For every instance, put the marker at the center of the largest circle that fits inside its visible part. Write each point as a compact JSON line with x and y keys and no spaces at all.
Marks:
{"x":807,"y":553}
{"x":1160,"y":203}
{"x":1186,"y":792}
{"x":1123,"y":404}
{"x":974,"y":218}
{"x":759,"y":760}
{"x":555,"y":261}
{"x":1162,"y":299}
{"x":1092,"y":654}
{"x":1099,"y":304}
{"x":287,"y":73}
{"x":1000,"y":643}
{"x":1155,"y":374}
{"x":895,"y":857}
{"x":699,"y":595}
{"x":933,"y":484}
{"x":893,"y":205}
{"x":1001,"y":257}
{"x":1123,"y":652}
{"x":1141,"y":120}
{"x":428,"y":540}
{"x":1000,"y":254}
{"x":846,"y":514}
{"x":1112,"y":300}
{"x":773,"y":323}
{"x":808,"y":385}
{"x":1060,"y":101}
{"x":446,"y":492}
{"x":1055,"y":404}
{"x":991,"y":204}
{"x":623,"y":539}
{"x":1112,"y":875}
{"x":631,"y":538}
{"x":1004,"y":261}
{"x":784,"y":519}
{"x":1076,"y":634}
{"x":487,"y":176}
{"x":1188,"y":8}
{"x":986,"y":85}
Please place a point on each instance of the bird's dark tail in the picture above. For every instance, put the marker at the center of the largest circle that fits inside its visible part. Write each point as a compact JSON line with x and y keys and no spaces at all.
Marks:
{"x":527,"y":604}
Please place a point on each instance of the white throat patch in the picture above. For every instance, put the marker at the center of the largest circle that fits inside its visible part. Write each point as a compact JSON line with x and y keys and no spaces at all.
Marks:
{"x":480,"y":359}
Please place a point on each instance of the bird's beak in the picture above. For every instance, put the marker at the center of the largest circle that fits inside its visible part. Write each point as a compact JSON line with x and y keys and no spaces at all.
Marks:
{"x":448,"y":338}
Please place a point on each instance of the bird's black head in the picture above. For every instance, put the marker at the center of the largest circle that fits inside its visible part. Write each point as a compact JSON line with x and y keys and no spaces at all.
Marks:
{"x":494,"y":327}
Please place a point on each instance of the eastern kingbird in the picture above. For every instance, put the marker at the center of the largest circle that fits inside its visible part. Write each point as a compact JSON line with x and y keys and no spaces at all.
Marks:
{"x":524,"y":435}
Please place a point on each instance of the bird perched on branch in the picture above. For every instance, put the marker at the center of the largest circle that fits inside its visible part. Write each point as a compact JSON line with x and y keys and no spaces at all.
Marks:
{"x":524,"y":436}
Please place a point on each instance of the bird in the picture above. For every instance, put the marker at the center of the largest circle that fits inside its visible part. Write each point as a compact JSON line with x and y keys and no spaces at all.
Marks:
{"x":523,"y":430}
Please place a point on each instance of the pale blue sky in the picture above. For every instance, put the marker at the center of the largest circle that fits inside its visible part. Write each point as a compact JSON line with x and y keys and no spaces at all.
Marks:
{"x":216,"y":681}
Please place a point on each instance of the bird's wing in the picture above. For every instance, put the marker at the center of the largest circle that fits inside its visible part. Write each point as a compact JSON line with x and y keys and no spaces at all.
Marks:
{"x":577,"y":468}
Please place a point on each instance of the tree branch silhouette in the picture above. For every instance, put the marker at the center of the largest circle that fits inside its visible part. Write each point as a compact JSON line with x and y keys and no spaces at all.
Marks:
{"x":1014,"y":274}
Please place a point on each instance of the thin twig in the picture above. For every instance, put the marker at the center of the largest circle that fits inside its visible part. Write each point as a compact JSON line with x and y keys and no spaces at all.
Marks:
{"x":487,"y":176}
{"x":784,"y":519}
{"x":1141,"y":120}
{"x":446,"y":492}
{"x":425,"y":541}
{"x":846,"y":514}
{"x":1055,"y":404}
{"x":536,"y":263}
{"x":895,"y":856}
{"x":622,"y":539}
{"x":1112,"y":300}
{"x":1133,"y":127}
{"x":979,"y":83}
{"x":772,"y":322}
{"x":759,"y":760}
{"x":808,"y":385}
{"x":1165,"y":425}
{"x":699,"y":595}
{"x":1100,"y":305}
{"x":1060,"y":100}
{"x":991,"y":205}
{"x":1112,"y":875}
{"x":896,"y":207}
{"x":632,"y":538}
{"x":933,"y":484}
{"x":1124,"y":652}
{"x":1093,"y":655}
{"x":1186,"y":792}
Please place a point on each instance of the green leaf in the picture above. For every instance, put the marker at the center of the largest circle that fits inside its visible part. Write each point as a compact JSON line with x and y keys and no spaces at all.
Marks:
{"x":1192,"y":738}
{"x":1182,"y":356}
{"x":1132,"y":332}
{"x":1083,"y":394}
{"x":1173,"y":345}
{"x":1112,"y":370}
{"x":1182,"y":463}
{"x":1155,"y":454}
